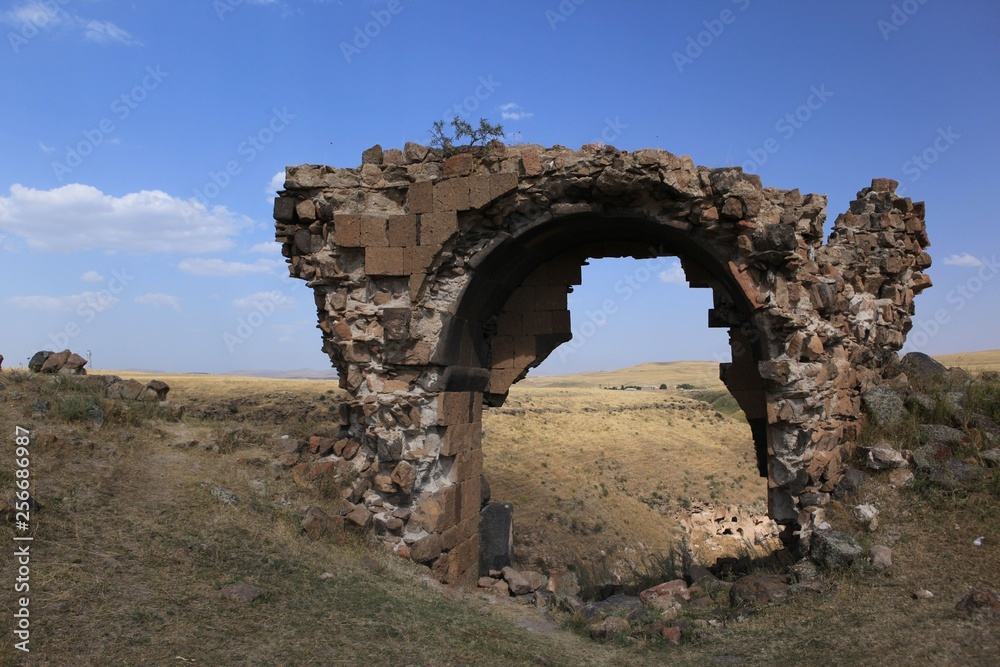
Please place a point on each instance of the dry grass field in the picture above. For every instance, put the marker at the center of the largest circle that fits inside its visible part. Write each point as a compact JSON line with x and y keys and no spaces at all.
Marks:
{"x":131,"y":548}
{"x":988,"y":360}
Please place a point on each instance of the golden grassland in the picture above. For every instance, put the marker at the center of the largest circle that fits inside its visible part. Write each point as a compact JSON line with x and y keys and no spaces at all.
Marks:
{"x":131,"y":548}
{"x":988,"y":360}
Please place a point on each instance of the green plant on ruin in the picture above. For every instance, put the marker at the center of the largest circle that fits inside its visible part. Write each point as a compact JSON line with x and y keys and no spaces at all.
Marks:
{"x":450,"y":145}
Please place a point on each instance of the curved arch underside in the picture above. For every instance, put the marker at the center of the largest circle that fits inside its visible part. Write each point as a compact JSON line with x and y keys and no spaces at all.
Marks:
{"x":440,"y":282}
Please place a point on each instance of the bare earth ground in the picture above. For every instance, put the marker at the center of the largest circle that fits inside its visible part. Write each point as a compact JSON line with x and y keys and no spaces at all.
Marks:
{"x":131,"y":547}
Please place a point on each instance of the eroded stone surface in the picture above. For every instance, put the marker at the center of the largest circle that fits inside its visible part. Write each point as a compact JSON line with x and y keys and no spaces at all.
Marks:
{"x":439,"y":283}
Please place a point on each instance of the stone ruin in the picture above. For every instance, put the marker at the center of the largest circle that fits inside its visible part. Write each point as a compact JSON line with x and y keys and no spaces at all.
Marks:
{"x":439,"y":282}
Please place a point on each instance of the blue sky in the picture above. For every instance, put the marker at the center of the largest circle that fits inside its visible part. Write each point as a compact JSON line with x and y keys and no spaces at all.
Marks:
{"x":142,"y":144}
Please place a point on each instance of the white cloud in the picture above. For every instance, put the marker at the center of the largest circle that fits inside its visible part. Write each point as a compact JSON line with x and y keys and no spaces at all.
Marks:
{"x":79,"y":217}
{"x":965,"y":259}
{"x":273,"y":300}
{"x":214,"y":268}
{"x":106,"y":32}
{"x":159,"y":299}
{"x":277,"y":183}
{"x":266,"y":248}
{"x":98,"y":301}
{"x":674,"y":274}
{"x":38,"y":16}
{"x":92,"y":277}
{"x":513,"y":111}
{"x":46,"y":149}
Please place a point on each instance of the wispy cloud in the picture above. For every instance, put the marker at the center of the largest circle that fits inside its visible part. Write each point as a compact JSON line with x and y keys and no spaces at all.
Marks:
{"x":965,"y":259}
{"x":92,"y":277}
{"x":159,"y":300}
{"x":262,"y":299}
{"x":513,"y":111}
{"x":78,"y":217}
{"x":46,"y":149}
{"x":220,"y":268}
{"x":38,"y":16}
{"x":97,"y":301}
{"x":673,"y":274}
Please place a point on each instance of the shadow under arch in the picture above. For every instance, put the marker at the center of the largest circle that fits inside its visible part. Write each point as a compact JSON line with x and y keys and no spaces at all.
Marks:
{"x":547,"y":256}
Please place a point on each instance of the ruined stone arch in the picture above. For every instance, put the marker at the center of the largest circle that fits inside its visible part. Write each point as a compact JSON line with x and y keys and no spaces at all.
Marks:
{"x":440,"y":282}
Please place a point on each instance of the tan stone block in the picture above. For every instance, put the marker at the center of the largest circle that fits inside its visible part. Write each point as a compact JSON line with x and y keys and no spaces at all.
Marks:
{"x":384,"y":262}
{"x":501,"y":348}
{"x":462,"y":567}
{"x":460,"y":438}
{"x":436,"y":228}
{"x":419,"y":197}
{"x":460,"y":532}
{"x":524,"y":351}
{"x":509,"y":324}
{"x":470,"y":499}
{"x":550,"y":297}
{"x":537,"y":322}
{"x":347,"y":230}
{"x":501,"y":184}
{"x":467,"y":465}
{"x":419,"y":259}
{"x":416,"y":281}
{"x":561,"y":321}
{"x":501,"y":379}
{"x":456,"y":407}
{"x":403,"y":230}
{"x":451,"y":194}
{"x":523,"y":298}
{"x":479,"y":191}
{"x":373,"y":231}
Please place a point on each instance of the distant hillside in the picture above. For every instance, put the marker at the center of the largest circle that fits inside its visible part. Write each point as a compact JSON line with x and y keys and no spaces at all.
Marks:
{"x":670,"y":373}
{"x":300,"y":374}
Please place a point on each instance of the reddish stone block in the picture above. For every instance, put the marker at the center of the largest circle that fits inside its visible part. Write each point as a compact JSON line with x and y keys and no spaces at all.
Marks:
{"x":537,"y":322}
{"x":510,"y":324}
{"x":384,"y":262}
{"x":419,"y":197}
{"x":459,"y":438}
{"x":436,"y":228}
{"x":403,"y":230}
{"x":467,"y":465}
{"x":501,"y":184}
{"x":455,"y":407}
{"x":451,"y":194}
{"x":502,"y":352}
{"x":479,"y":191}
{"x":347,"y":230}
{"x":459,"y":165}
{"x":373,"y":231}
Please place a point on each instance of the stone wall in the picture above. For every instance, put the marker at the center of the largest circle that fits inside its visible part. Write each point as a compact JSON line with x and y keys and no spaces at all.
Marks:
{"x":440,"y":282}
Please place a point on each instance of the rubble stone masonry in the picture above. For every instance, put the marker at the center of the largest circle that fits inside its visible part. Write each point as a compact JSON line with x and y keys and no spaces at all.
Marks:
{"x":439,"y":282}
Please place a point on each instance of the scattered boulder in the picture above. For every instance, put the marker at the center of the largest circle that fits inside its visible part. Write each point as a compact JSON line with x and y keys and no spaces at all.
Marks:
{"x":38,"y":360}
{"x":938,"y":434}
{"x":666,"y":596}
{"x":426,"y":548}
{"x":758,"y":589}
{"x":95,"y":415}
{"x":225,"y":497}
{"x":881,"y":557}
{"x":991,"y":457}
{"x":157,"y":389}
{"x":316,"y":523}
{"x":55,"y":361}
{"x":851,"y":483}
{"x":622,"y":606}
{"x":244,"y":593}
{"x":980,"y":602}
{"x":607,"y":627}
{"x":866,"y":514}
{"x":834,"y":548}
{"x":954,"y":475}
{"x":922,"y":370}
{"x":882,"y":456}
{"x":518,"y":583}
{"x":884,"y":406}
{"x":41,"y":406}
